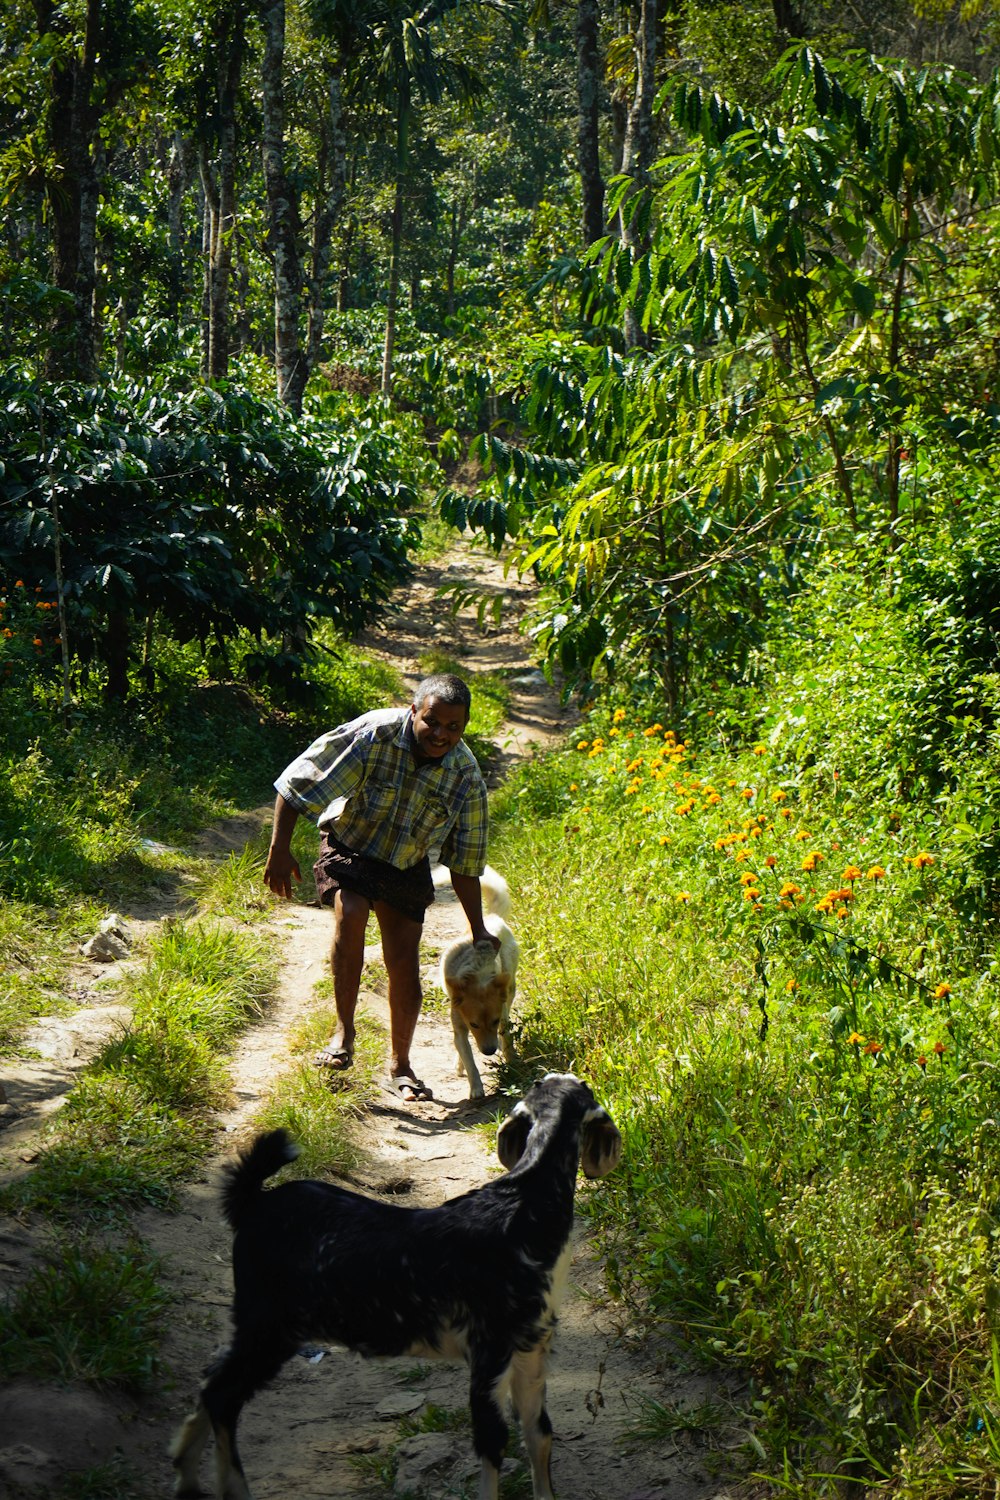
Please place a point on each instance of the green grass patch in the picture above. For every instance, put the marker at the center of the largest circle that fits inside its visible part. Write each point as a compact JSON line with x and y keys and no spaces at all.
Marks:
{"x":772,"y":985}
{"x":88,"y":1313}
{"x":139,"y":1118}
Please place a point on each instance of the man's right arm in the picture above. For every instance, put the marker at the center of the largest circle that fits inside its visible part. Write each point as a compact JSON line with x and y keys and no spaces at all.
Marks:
{"x":281,"y":863}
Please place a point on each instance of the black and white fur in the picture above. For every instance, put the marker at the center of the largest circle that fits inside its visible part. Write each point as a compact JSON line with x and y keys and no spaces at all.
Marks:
{"x":478,"y":1278}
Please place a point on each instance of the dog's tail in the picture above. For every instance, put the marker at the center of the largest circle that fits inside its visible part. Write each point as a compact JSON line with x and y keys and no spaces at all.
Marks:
{"x":247,"y":1175}
{"x":496,"y":892}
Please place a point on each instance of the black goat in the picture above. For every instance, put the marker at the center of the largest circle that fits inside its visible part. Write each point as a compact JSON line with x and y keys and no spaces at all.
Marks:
{"x":478,"y":1278}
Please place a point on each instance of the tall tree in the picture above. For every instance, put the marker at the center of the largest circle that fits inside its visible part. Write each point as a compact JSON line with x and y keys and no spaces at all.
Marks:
{"x":218,"y":181}
{"x":588,"y":78}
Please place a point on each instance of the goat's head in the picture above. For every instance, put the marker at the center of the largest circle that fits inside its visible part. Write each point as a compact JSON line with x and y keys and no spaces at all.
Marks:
{"x":600,"y":1141}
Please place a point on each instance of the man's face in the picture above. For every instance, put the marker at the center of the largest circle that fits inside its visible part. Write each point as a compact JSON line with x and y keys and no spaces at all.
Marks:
{"x":437,"y":726}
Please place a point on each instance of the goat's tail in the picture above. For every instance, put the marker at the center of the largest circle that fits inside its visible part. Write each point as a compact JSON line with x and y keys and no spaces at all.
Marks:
{"x":246,"y":1176}
{"x":496,"y":892}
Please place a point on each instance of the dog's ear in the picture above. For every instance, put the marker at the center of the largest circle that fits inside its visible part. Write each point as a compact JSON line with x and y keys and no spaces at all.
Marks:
{"x":512,"y":1137}
{"x":600,"y":1144}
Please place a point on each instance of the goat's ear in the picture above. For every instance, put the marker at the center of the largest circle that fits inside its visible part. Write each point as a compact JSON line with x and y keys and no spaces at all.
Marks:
{"x":512,"y":1137}
{"x":600,"y":1145}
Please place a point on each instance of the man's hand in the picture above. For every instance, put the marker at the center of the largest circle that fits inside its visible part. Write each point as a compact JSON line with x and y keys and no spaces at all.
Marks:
{"x":483,"y":935}
{"x":279,"y":871}
{"x":281,"y":863}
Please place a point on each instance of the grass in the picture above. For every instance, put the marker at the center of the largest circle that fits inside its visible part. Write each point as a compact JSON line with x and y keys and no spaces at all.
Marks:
{"x":801,"y":1076}
{"x":139,"y":1118}
{"x":88,"y":1313}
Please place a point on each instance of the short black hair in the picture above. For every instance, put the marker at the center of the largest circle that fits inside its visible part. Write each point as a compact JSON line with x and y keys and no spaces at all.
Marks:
{"x":447,"y":688}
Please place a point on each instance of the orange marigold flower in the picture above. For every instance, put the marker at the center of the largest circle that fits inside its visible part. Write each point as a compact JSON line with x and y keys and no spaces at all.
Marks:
{"x":942,"y":992}
{"x":748,"y":878}
{"x":760,"y":749}
{"x":791,"y":986}
{"x":855,"y":1039}
{"x":19,"y":584}
{"x":573,"y":787}
{"x":939,"y":1048}
{"x":876,"y":873}
{"x":779,"y":796}
{"x":653,"y":729}
{"x":619,"y":716}
{"x":751,"y":893}
{"x":851,"y":873}
{"x":664,"y":838}
{"x":770,"y":861}
{"x":683,"y":896}
{"x":786,"y":812}
{"x":37,"y":641}
{"x":920,"y":861}
{"x":789,"y":889}
{"x":873,"y":1049}
{"x":802,"y":835}
{"x":921,"y":1062}
{"x":749,"y":793}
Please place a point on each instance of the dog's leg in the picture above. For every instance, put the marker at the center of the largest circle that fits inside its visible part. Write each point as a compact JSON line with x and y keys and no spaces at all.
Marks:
{"x":186,"y":1450}
{"x":506,"y":1045}
{"x":466,"y":1061}
{"x":528,"y":1395}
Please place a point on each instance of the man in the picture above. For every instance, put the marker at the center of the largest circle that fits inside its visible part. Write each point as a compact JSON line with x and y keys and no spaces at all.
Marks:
{"x":385,"y":789}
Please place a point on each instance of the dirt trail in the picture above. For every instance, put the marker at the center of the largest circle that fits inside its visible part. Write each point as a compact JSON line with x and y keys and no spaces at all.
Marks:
{"x":329,"y":1426}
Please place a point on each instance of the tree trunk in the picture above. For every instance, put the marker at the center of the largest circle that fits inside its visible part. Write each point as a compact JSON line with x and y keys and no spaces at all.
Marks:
{"x":637,"y":154}
{"x":332,"y":170}
{"x":116,"y":646}
{"x":289,"y":359}
{"x":392,"y":298}
{"x":588,"y":78}
{"x":230,"y":72}
{"x":788,"y":18}
{"x":73,"y":119}
{"x":176,"y":183}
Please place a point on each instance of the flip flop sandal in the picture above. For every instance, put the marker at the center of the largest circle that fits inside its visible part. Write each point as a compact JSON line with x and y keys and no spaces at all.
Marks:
{"x":335,"y":1059}
{"x":409,"y":1090}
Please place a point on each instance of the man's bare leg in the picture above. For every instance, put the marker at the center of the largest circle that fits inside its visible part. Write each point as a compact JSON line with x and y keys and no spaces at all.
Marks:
{"x":401,"y":952}
{"x":347,"y":958}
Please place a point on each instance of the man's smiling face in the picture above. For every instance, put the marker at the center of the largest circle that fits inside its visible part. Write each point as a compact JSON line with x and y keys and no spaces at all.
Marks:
{"x":438,"y":726}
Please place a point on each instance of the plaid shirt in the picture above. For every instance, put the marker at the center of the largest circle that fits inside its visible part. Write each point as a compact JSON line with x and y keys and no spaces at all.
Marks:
{"x":361,"y":783}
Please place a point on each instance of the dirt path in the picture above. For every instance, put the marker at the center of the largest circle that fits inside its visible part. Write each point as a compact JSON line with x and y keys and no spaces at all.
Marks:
{"x":330,"y":1425}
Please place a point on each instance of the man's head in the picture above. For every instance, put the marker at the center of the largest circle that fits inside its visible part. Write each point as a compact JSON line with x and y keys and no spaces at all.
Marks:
{"x":440,"y":711}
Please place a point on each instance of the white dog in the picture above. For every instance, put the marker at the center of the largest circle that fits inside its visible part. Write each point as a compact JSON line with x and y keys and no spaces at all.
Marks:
{"x":480,"y":982}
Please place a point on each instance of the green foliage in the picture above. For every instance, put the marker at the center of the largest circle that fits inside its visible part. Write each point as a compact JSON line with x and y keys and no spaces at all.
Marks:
{"x":783,"y":1002}
{"x":88,"y":1313}
{"x":215,"y":511}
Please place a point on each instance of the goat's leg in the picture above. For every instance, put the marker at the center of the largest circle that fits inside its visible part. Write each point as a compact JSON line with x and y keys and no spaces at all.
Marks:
{"x":527,"y":1389}
{"x":487,"y":1396}
{"x":186,"y":1450}
{"x":253,"y":1360}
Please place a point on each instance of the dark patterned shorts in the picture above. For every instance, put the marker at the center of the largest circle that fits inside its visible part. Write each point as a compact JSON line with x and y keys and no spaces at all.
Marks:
{"x":409,"y":891}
